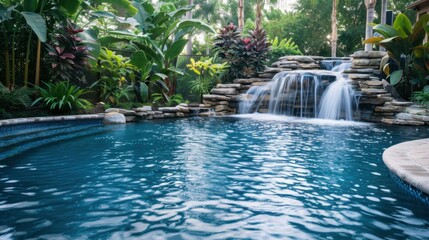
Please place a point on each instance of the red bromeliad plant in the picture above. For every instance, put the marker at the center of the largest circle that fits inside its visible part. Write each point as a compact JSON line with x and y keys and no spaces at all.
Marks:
{"x":69,"y":57}
{"x":245,"y":56}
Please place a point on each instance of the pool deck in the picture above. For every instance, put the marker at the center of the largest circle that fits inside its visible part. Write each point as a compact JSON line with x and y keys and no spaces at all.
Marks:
{"x":410,"y":162}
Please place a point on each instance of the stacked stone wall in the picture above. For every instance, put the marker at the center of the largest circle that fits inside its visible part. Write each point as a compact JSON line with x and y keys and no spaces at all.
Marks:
{"x":377,"y":101}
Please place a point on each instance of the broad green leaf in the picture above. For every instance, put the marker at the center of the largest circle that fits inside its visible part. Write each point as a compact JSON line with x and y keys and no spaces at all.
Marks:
{"x":181,"y":11}
{"x":161,"y":18}
{"x":144,"y":91}
{"x":419,"y":30}
{"x":143,"y":14}
{"x":70,"y":5}
{"x":89,"y":38}
{"x":122,"y":4}
{"x":396,"y":77}
{"x":176,"y":48}
{"x":106,"y":41}
{"x":198,"y":24}
{"x":37,"y":24}
{"x":401,"y":32}
{"x":152,"y":55}
{"x":161,"y":75}
{"x":402,"y":22}
{"x":426,"y":89}
{"x":139,"y":60}
{"x":386,"y":30}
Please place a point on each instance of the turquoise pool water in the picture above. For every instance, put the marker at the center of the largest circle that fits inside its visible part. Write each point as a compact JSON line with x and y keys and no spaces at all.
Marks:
{"x":220,"y":178}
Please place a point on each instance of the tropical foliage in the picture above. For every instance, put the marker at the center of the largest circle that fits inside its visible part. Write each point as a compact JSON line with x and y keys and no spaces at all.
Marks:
{"x":245,"y":56}
{"x":62,"y":97}
{"x":11,"y":99}
{"x":404,"y":43}
{"x":421,"y":97}
{"x":280,"y":48}
{"x":206,"y":73}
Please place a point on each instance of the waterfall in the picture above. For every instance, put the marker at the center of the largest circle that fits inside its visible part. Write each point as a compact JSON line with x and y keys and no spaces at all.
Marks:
{"x":337,"y":100}
{"x":316,"y":94}
{"x":295,"y":94}
{"x":253,"y":99}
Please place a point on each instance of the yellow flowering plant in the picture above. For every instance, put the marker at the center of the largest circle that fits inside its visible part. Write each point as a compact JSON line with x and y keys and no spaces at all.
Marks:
{"x":207,"y":74}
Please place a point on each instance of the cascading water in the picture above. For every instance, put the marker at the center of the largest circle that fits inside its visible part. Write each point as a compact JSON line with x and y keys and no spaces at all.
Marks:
{"x":295,"y":94}
{"x":319,"y":94}
{"x":254,"y":98}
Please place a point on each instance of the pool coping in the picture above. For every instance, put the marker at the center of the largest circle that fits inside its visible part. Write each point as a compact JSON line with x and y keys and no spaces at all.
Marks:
{"x":16,"y":121}
{"x":410,"y":162}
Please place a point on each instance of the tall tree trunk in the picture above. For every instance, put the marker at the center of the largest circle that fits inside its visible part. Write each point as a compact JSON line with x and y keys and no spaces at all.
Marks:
{"x":38,"y":59}
{"x":241,"y":14}
{"x":383,"y":16}
{"x":370,"y":5}
{"x":189,"y":16}
{"x":6,"y":60}
{"x":334,"y":29}
{"x":259,"y":8}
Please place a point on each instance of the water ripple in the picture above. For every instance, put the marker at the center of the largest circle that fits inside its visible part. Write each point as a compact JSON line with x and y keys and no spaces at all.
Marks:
{"x":213,"y":179}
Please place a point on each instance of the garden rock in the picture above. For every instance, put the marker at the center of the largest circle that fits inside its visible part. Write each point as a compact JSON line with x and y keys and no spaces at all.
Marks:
{"x":114,"y":118}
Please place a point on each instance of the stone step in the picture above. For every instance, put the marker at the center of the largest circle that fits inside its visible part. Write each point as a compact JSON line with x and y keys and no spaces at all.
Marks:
{"x":369,"y":54}
{"x":216,"y":97}
{"x":229,"y":85}
{"x":251,"y":80}
{"x":224,"y":91}
{"x":298,"y":58}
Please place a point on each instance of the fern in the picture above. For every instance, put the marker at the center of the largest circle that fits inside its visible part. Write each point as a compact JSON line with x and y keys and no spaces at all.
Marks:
{"x":280,"y":48}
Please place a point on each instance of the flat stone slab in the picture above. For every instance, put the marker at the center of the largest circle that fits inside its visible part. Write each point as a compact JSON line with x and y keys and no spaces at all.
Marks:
{"x":224,"y":91}
{"x":369,"y":54}
{"x":410,"y":162}
{"x":229,"y":85}
{"x":273,"y":70}
{"x":216,"y":97}
{"x":169,"y":109}
{"x":298,"y":58}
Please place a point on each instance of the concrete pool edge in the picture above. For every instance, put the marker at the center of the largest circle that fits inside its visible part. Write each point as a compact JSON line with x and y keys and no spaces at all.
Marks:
{"x":16,"y":121}
{"x":410,"y":162}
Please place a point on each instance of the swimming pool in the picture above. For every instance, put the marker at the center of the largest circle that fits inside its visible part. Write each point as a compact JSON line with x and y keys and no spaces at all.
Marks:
{"x":218,"y":178}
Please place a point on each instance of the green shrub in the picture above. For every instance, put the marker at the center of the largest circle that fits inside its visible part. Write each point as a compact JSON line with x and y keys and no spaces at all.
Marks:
{"x":206,"y":74}
{"x":421,"y":97}
{"x":15,"y":98}
{"x":169,"y":100}
{"x":113,"y":92}
{"x":282,"y":48}
{"x":408,"y":68}
{"x":62,"y":97}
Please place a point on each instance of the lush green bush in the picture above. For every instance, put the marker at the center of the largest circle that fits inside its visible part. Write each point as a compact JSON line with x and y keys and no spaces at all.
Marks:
{"x":62,"y":97}
{"x":172,"y":100}
{"x":207,"y":74}
{"x":421,"y":97}
{"x":113,"y":92}
{"x":245,"y":56}
{"x":404,"y":43}
{"x":12,"y":99}
{"x":280,"y":48}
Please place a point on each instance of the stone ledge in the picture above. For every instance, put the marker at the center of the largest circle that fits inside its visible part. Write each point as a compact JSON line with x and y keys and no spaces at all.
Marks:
{"x":16,"y":121}
{"x":410,"y":162}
